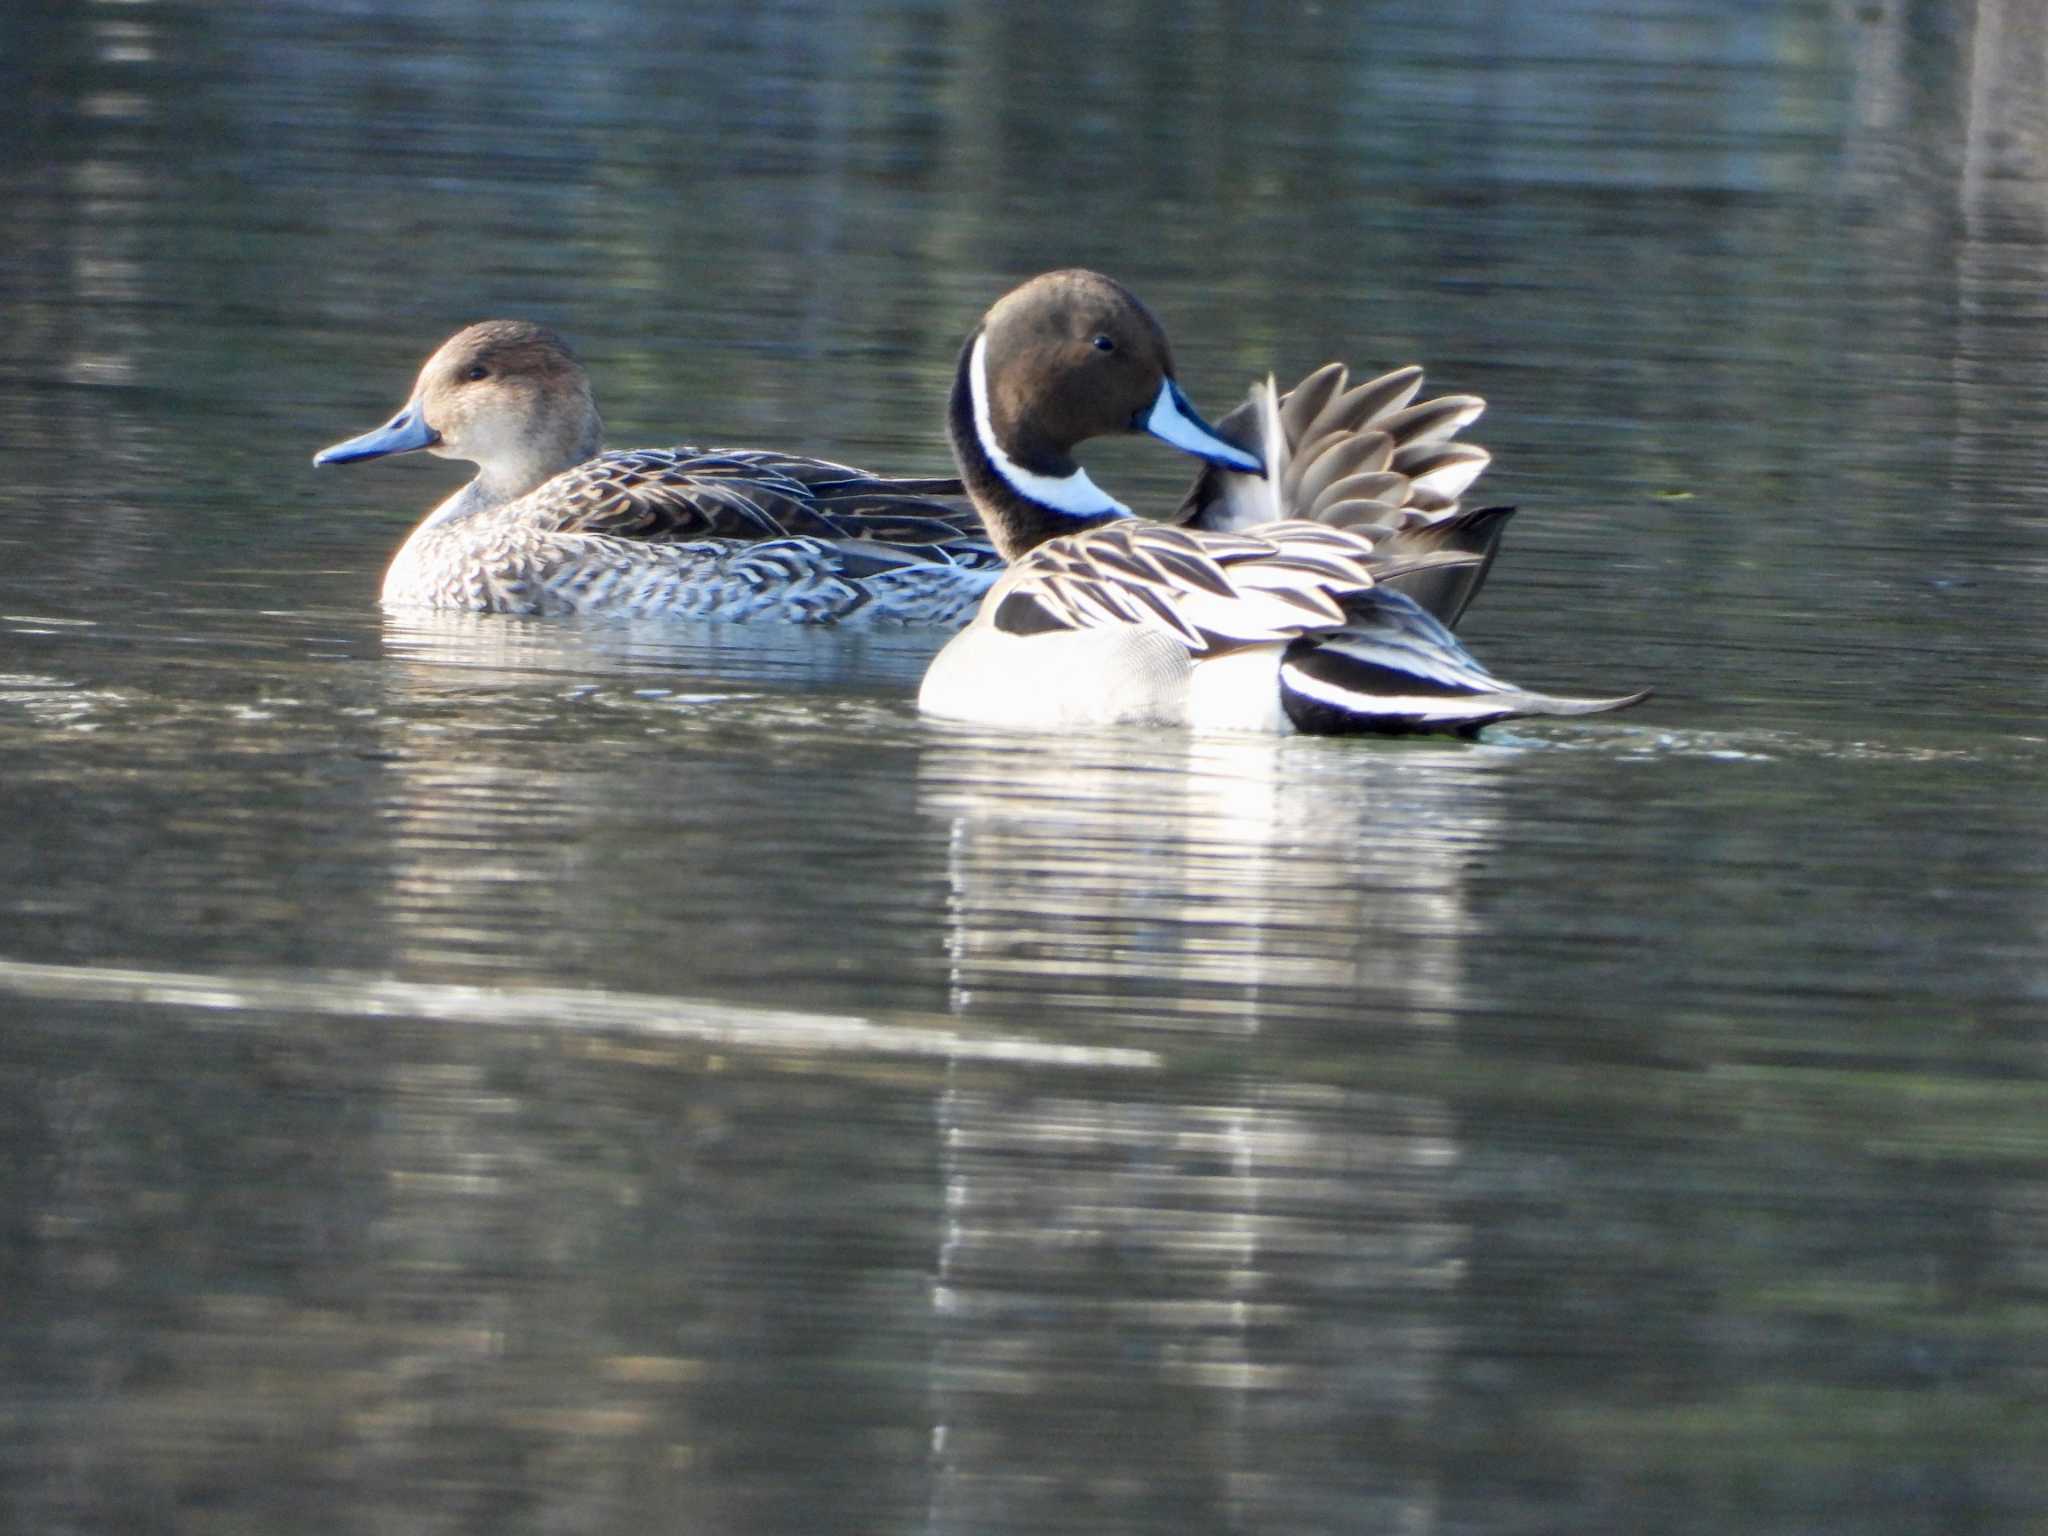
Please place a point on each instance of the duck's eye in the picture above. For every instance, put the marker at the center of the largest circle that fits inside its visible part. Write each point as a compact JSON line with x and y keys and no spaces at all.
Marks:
{"x":1104,"y":344}
{"x":476,"y":371}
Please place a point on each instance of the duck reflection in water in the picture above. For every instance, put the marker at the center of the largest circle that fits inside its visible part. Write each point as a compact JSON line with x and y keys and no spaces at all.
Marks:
{"x":1143,"y":1294}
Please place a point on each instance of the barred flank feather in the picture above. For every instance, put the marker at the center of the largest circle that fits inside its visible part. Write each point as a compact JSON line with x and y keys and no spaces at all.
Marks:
{"x":805,"y":581}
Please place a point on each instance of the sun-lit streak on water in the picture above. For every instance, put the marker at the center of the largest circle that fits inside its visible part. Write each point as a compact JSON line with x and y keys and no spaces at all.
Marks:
{"x":250,"y":999}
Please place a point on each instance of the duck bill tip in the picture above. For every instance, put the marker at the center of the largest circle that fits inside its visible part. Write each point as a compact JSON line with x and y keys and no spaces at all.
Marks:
{"x":1172,"y":420}
{"x":403,"y":433}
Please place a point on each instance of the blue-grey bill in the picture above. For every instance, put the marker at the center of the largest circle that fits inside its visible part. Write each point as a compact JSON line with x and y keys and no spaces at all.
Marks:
{"x":1173,"y":420}
{"x":403,"y":433}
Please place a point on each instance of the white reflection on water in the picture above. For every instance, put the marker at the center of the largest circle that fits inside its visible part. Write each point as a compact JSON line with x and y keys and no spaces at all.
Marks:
{"x":256,"y":1001}
{"x":1164,"y":1291}
{"x":1244,"y":870}
{"x":54,"y":702}
{"x":517,"y":748}
{"x":445,"y":650}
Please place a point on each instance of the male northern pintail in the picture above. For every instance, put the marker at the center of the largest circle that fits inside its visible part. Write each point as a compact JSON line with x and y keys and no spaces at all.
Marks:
{"x":1309,"y":582}
{"x":550,"y":525}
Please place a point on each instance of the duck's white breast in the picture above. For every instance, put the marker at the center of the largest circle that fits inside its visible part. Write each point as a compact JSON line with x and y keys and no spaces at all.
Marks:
{"x":1119,"y":676}
{"x":1239,"y":692}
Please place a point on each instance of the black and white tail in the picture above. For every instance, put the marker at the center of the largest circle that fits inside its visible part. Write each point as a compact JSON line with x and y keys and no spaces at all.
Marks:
{"x":1395,"y":670}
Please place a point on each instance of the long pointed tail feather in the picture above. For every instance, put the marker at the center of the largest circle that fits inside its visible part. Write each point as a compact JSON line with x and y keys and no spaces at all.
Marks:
{"x":1396,"y":670}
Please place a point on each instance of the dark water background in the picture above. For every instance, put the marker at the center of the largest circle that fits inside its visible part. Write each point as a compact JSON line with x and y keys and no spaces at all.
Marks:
{"x":487,"y":1076}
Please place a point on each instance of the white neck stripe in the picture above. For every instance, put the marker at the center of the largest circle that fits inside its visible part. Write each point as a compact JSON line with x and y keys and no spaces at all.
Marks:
{"x":1074,"y":493}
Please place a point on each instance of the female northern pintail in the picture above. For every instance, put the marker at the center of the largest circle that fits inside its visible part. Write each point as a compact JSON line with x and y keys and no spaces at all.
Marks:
{"x":550,"y":525}
{"x":1308,"y":585}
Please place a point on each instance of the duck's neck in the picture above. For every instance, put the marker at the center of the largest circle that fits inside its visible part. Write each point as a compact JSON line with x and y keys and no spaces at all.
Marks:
{"x":1025,"y":496}
{"x":524,"y":461}
{"x":466,"y":502}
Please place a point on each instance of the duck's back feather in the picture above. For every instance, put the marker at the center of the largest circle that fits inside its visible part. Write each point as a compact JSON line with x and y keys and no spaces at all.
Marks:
{"x":1213,"y":592}
{"x":678,"y":495}
{"x":1367,"y":458}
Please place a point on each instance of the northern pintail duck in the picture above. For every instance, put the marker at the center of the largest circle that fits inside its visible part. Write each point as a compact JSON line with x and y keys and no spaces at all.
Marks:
{"x":1308,"y":583}
{"x":550,"y":525}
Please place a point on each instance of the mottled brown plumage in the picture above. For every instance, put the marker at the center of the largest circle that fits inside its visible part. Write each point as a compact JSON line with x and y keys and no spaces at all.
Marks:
{"x":551,"y":526}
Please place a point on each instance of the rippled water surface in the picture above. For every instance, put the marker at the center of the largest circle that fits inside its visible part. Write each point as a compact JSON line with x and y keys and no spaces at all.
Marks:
{"x":473,"y":1075}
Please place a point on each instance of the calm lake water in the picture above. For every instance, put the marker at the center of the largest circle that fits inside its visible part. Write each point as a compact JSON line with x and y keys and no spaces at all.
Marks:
{"x":478,"y":1075}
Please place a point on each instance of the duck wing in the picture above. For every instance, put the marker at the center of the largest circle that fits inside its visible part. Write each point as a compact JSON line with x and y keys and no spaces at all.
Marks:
{"x":1215,"y":592}
{"x":825,"y":479}
{"x":1353,"y":652}
{"x":675,"y":495}
{"x":1365,"y":457}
